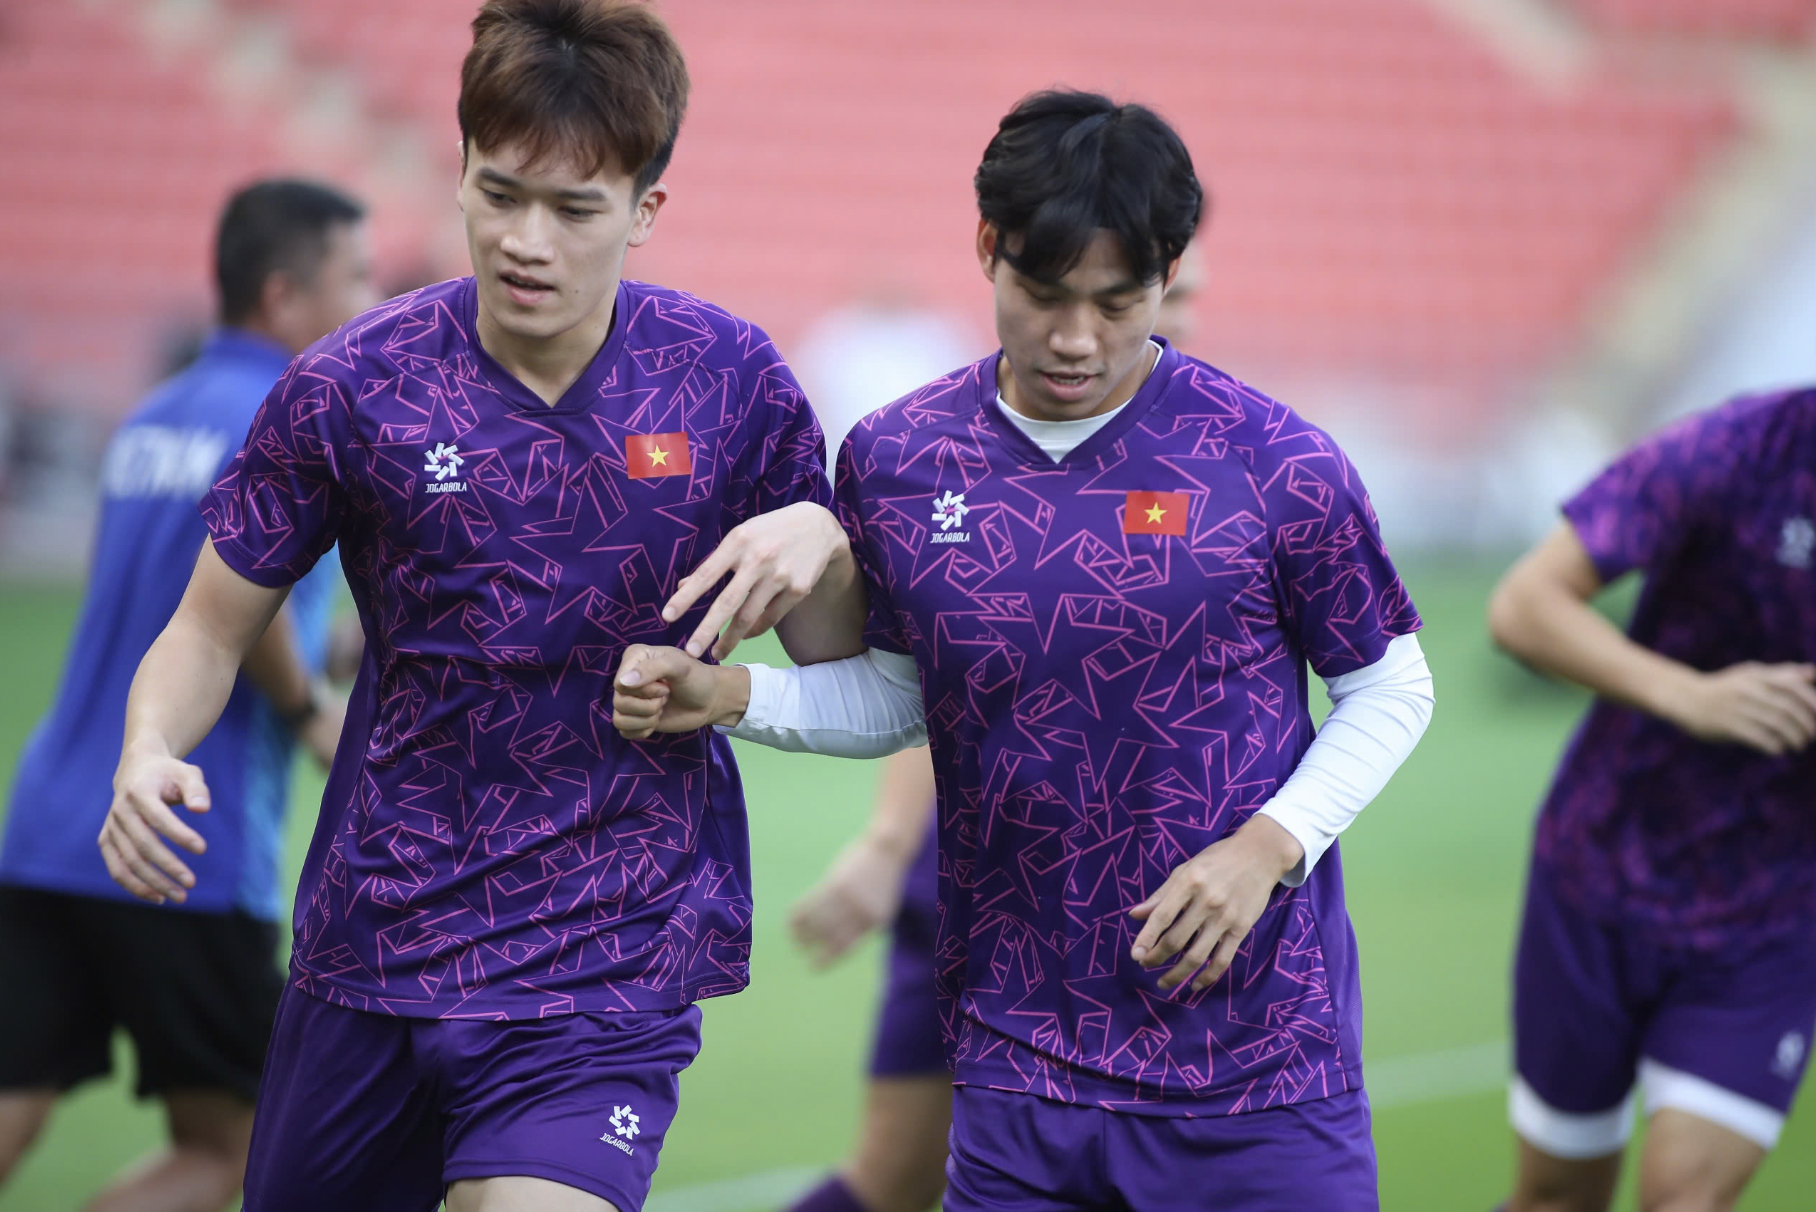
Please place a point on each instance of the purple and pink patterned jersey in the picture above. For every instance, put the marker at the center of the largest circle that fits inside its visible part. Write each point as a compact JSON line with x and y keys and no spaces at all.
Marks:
{"x":1711,"y":846}
{"x":1113,"y":655}
{"x":489,"y":846}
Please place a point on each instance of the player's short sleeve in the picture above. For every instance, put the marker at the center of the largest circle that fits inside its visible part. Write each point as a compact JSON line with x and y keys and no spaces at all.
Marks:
{"x":1340,"y":596}
{"x":784,"y":458}
{"x":1649,"y":502}
{"x":883,"y":627}
{"x":281,"y":503}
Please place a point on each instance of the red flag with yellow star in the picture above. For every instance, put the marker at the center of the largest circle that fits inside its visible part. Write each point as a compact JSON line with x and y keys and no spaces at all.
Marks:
{"x":656,"y":454}
{"x":1155,"y":513}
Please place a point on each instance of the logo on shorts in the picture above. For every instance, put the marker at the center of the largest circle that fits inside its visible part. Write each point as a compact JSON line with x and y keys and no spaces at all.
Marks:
{"x":445,"y":461}
{"x":1789,"y":1057}
{"x":625,"y":1123}
{"x":949,"y":511}
{"x":1797,"y":547}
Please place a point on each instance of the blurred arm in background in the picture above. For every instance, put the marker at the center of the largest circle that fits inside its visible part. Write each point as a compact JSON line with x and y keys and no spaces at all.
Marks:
{"x":862,"y":889}
{"x":310,"y":710}
{"x":1540,"y":613}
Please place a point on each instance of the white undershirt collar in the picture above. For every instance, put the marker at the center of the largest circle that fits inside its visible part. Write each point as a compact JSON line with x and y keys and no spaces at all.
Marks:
{"x":1058,"y":439}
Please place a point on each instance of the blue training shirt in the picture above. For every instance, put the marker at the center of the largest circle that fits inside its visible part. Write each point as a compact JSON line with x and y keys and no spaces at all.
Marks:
{"x":168,"y":452}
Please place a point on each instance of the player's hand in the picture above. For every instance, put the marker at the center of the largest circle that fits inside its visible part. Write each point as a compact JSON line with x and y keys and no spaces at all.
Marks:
{"x":775,"y":560}
{"x":147,"y":786}
{"x":860,"y":892}
{"x":666,"y":690}
{"x":1771,"y":708}
{"x":1210,"y":903}
{"x":321,"y":733}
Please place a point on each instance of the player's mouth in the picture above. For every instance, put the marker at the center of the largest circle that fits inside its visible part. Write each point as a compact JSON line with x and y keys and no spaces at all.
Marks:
{"x":1069,"y":387}
{"x":524,"y":290}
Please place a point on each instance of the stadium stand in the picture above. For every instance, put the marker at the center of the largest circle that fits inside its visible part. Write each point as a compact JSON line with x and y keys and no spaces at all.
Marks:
{"x":1393,"y":203}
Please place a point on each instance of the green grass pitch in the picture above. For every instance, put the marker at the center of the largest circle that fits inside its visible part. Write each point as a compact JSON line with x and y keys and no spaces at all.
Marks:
{"x":1433,"y":870}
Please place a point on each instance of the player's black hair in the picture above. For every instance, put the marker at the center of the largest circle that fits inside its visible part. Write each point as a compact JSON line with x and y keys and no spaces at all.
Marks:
{"x":595,"y":82}
{"x":273,"y":226}
{"x":1064,"y":165}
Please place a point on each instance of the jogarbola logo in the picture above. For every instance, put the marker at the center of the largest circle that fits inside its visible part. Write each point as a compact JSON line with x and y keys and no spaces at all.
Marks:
{"x":949,"y":511}
{"x":445,"y":461}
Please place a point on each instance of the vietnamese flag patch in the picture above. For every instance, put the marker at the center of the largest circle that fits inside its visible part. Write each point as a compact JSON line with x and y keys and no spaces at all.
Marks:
{"x":1155,"y":513}
{"x":656,"y":454}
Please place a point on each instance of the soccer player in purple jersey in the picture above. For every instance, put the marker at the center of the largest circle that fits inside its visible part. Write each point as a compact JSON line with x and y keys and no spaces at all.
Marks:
{"x":507,"y":911}
{"x":1669,"y":937}
{"x":886,"y":876}
{"x":1097,"y":572}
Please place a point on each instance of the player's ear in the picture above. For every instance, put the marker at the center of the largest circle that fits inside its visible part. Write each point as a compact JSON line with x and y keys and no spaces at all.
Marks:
{"x":461,"y":180}
{"x":647,"y":206}
{"x":987,"y":237}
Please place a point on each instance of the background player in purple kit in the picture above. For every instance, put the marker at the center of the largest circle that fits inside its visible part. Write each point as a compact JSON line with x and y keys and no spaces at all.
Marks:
{"x":1097,"y":570}
{"x":887,"y":876}
{"x":507,"y":912}
{"x":1670,"y":923}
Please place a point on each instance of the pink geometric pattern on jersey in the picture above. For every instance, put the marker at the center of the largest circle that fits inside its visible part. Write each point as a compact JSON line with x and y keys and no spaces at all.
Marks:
{"x":1103,"y":706}
{"x":494,"y":848}
{"x":1701,"y":845}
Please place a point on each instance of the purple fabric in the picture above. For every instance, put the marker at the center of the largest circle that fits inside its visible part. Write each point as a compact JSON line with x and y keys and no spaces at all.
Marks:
{"x":1710,"y":844}
{"x":1020,"y":1153}
{"x":830,"y":1196}
{"x":908,"y":1041}
{"x":1590,"y":999}
{"x":371,"y":1111}
{"x":489,"y":845}
{"x":1103,"y":706}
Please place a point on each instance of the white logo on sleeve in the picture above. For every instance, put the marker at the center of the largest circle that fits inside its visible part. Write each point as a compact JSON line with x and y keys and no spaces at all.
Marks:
{"x":949,"y":511}
{"x":626,"y":1124}
{"x":1790,"y":1056}
{"x":1797,"y":546}
{"x":445,"y":461}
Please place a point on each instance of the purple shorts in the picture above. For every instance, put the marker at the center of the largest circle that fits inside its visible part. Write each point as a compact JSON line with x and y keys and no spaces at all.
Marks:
{"x":1024,"y":1153}
{"x":908,"y":1042}
{"x":1721,"y":1035}
{"x":363,"y":1111}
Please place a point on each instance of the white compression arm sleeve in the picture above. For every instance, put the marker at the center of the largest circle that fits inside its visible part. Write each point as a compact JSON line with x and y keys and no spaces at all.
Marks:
{"x":1377,"y":715}
{"x":866,"y":706}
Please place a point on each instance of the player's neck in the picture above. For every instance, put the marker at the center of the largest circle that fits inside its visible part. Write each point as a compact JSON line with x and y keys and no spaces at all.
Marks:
{"x":549,"y":365}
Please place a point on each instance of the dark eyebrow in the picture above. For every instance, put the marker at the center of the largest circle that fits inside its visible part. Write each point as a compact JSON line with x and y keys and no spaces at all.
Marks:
{"x":492,"y":176}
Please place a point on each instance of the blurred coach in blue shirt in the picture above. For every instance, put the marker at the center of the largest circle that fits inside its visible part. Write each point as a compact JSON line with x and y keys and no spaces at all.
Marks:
{"x":194,"y":984}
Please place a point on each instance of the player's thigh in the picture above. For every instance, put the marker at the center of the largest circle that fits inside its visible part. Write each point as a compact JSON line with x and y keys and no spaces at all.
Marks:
{"x":582,"y":1101}
{"x":1577,"y":1029}
{"x":1692,"y":1165}
{"x":344,"y":1117}
{"x":55,"y":1025}
{"x":212,"y":1122}
{"x":1557,"y":1184}
{"x":1314,"y":1156}
{"x":514,"y":1194}
{"x":196,"y":991}
{"x":1019,"y":1153}
{"x":22,"y":1116}
{"x":900,"y":1163}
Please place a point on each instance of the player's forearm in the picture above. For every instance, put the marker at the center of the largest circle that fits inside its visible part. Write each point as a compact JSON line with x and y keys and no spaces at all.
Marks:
{"x":1377,"y":716}
{"x":828,"y":624}
{"x":1553,"y":628}
{"x":180,"y":690}
{"x":866,"y":706}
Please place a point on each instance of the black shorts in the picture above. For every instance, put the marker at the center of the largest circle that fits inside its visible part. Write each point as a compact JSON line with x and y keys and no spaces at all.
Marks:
{"x":197,"y":992}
